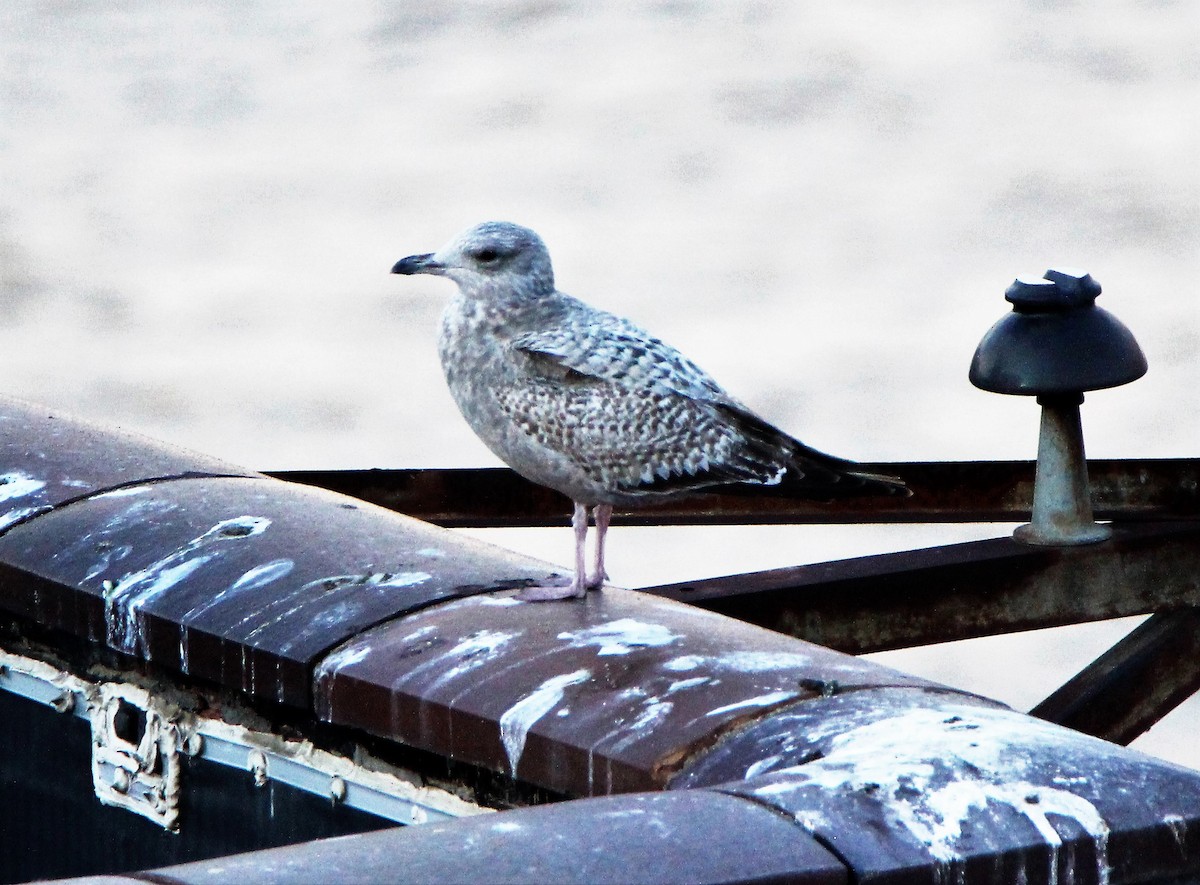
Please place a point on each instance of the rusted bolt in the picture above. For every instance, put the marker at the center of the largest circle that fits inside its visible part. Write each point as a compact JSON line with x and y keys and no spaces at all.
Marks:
{"x":120,"y":780}
{"x":1055,"y":345}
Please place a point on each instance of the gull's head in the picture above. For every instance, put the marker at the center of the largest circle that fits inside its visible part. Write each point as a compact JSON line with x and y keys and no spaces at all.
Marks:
{"x":496,"y":256}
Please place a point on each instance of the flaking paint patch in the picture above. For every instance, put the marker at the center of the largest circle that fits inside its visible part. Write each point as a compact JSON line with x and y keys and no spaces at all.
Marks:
{"x":516,"y":721}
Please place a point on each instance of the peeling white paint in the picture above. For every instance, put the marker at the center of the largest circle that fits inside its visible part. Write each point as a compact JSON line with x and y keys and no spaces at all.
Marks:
{"x":620,"y":637}
{"x":372,"y":785}
{"x":516,"y":721}
{"x":765,"y":700}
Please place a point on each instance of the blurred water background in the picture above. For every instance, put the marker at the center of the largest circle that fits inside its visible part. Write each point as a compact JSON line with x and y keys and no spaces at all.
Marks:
{"x":821,"y":203}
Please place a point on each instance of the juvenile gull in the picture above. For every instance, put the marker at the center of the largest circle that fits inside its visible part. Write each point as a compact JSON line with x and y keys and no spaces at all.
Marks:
{"x":585,"y":402}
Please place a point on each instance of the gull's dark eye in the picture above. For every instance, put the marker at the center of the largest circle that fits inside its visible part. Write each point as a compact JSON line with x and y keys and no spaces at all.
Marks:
{"x":487,"y":255}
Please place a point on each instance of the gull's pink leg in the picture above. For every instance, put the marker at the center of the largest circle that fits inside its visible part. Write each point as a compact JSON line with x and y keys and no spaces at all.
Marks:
{"x":578,"y":586}
{"x":579,"y":522}
{"x":603,"y":518}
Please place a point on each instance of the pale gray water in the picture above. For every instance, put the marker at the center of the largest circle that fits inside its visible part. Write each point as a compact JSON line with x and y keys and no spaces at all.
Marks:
{"x":820,"y":203}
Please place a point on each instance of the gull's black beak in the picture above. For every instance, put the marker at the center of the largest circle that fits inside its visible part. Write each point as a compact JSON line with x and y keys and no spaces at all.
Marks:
{"x":417,"y":264}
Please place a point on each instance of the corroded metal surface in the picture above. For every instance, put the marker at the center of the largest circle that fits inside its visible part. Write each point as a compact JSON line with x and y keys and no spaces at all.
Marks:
{"x":47,"y":459}
{"x":959,"y":591}
{"x":241,"y":581}
{"x":1135,"y":683}
{"x":909,"y":787}
{"x":698,"y":837}
{"x":612,"y":694}
{"x":943,"y":491}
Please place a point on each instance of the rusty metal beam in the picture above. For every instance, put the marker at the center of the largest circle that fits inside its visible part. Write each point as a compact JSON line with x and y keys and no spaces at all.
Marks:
{"x":950,"y":491}
{"x":961,"y":591}
{"x":1135,"y":683}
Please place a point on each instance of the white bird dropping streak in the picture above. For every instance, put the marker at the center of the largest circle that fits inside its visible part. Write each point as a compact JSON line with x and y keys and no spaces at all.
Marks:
{"x":585,"y":402}
{"x":520,"y":717}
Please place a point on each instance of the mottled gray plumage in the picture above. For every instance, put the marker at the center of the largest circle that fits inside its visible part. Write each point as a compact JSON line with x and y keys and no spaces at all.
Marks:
{"x":585,"y":402}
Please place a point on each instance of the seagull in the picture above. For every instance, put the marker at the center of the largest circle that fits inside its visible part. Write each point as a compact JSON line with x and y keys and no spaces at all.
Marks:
{"x":585,"y":402}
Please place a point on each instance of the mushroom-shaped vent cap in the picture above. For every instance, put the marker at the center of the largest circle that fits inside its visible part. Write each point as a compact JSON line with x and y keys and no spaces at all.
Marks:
{"x":1056,"y":340}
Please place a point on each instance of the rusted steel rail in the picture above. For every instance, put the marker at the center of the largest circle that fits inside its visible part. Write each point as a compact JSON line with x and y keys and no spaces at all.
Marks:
{"x":961,"y":591}
{"x":1135,"y":683}
{"x":983,"y":588}
{"x":943,"y":491}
